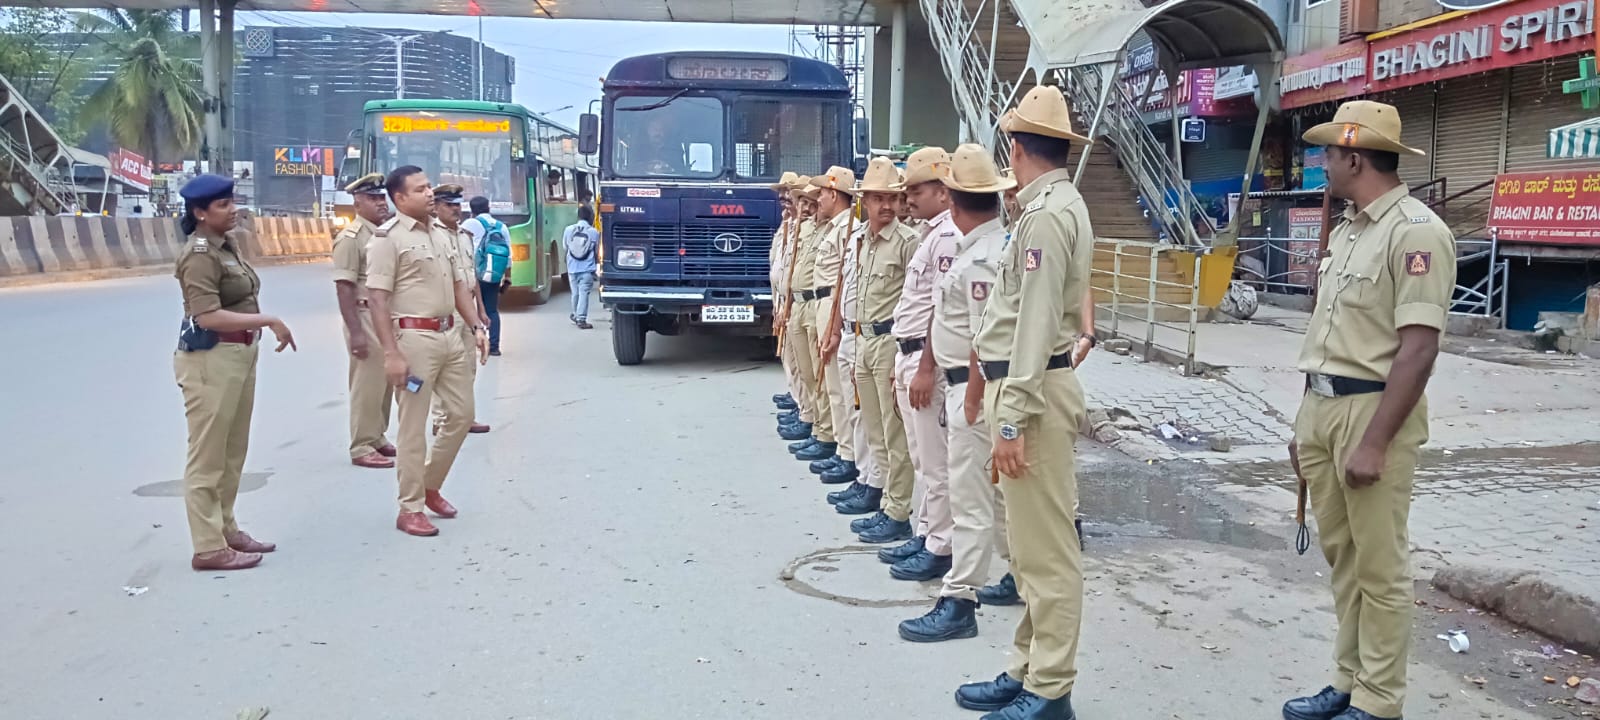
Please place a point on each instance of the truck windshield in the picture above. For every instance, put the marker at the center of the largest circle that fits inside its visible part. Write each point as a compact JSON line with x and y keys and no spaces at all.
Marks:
{"x":667,"y":136}
{"x":484,"y":154}
{"x":771,"y":135}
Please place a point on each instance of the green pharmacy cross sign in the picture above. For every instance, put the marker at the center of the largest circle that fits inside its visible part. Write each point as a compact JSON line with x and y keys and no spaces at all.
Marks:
{"x":1587,"y":84}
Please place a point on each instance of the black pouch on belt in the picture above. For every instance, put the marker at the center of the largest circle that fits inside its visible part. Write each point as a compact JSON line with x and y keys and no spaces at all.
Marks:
{"x":192,"y":337}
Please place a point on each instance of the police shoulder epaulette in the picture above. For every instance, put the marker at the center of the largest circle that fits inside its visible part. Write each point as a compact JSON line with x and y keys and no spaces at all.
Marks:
{"x":200,"y":245}
{"x":1415,"y":211}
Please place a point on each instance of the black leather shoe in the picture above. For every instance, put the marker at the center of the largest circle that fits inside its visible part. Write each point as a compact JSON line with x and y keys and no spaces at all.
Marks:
{"x":817,"y":452}
{"x":950,"y":619}
{"x":867,"y":502}
{"x":890,"y":556}
{"x":795,"y":447}
{"x":787,"y":405}
{"x":1029,"y":706}
{"x":860,"y":524}
{"x":834,"y":498}
{"x":1325,"y":705}
{"x":1000,"y":593}
{"x":887,"y":531}
{"x":782,"y":398}
{"x":921,"y":567}
{"x":797,"y":431}
{"x":1359,"y":714}
{"x":844,"y":472}
{"x":792,"y":416}
{"x":828,"y":463}
{"x":992,"y":695}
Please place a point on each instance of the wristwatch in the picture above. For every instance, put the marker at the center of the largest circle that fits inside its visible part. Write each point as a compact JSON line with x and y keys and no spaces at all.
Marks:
{"x":480,"y":328}
{"x":1009,"y":432}
{"x":1093,"y":341}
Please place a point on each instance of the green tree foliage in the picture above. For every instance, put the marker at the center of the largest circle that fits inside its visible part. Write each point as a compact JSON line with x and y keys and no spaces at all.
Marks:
{"x":152,"y":102}
{"x":47,"y":64}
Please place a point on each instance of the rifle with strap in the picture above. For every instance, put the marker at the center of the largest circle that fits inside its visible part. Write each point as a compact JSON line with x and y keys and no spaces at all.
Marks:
{"x":793,"y":247}
{"x":834,"y":318}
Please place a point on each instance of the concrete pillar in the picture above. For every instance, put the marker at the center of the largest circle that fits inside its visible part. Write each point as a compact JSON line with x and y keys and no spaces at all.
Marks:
{"x":897,"y":74}
{"x":208,"y":82}
{"x":224,"y":147}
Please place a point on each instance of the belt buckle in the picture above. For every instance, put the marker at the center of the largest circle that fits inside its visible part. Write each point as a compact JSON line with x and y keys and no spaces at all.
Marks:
{"x":1322,"y":385}
{"x":983,"y":371}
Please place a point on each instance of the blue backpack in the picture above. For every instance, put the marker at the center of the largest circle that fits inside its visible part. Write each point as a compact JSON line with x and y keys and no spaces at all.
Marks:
{"x":494,"y":255}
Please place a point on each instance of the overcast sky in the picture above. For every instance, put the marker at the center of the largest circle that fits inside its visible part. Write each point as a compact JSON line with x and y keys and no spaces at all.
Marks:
{"x":560,"y":62}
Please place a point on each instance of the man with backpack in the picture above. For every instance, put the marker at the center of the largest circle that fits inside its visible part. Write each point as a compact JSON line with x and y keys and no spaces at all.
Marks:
{"x":581,"y":239}
{"x":492,"y":245}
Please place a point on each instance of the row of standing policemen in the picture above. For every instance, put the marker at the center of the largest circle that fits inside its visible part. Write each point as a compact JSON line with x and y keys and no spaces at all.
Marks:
{"x":930,"y":359}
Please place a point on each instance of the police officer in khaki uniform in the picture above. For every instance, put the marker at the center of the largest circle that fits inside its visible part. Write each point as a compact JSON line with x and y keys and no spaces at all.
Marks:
{"x":1034,"y":405}
{"x":975,"y":503}
{"x":777,"y":264}
{"x":804,"y":295}
{"x":886,"y":253}
{"x":837,"y":206}
{"x":215,"y":366}
{"x":416,"y":278}
{"x":370,"y":395}
{"x":447,"y":215}
{"x":1383,"y":293}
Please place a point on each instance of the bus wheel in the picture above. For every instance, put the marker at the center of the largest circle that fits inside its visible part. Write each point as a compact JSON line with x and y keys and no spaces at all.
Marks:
{"x":543,"y":296}
{"x":627,"y":338}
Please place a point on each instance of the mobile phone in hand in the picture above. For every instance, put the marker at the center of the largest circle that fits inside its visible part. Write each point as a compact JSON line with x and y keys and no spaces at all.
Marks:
{"x":413,"y":383}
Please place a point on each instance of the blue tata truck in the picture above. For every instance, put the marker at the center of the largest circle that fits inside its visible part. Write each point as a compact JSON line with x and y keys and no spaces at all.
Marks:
{"x":689,"y":146}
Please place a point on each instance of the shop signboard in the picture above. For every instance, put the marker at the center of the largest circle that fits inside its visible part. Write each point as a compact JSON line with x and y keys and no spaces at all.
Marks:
{"x":131,"y":169}
{"x":1547,"y":208}
{"x":1500,"y":37}
{"x":1329,"y":74}
{"x":1234,"y":81}
{"x":1305,"y":241}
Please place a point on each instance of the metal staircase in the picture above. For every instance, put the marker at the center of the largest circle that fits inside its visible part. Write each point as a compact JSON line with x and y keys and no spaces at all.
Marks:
{"x":35,"y":167}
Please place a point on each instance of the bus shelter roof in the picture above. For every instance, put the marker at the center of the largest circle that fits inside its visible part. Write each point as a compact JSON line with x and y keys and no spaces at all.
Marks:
{"x":824,"y":12}
{"x":1187,"y":34}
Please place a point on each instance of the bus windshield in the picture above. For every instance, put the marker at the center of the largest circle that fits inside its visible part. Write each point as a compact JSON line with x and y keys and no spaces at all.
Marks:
{"x":771,"y":135}
{"x":667,"y":136}
{"x":484,"y":154}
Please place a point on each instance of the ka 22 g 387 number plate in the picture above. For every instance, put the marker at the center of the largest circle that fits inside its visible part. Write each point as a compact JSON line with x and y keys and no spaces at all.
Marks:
{"x":727,"y":314}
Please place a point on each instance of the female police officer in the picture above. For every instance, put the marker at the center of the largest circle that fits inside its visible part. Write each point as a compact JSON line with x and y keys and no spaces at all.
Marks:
{"x":216,"y":369}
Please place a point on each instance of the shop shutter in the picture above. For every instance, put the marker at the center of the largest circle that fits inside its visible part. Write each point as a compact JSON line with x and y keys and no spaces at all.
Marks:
{"x":1537,"y":105}
{"x":1415,"y":105}
{"x":1222,"y":156}
{"x":1469,"y":137}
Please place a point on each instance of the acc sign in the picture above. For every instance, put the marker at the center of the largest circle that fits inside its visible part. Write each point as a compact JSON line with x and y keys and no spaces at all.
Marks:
{"x":131,"y":169}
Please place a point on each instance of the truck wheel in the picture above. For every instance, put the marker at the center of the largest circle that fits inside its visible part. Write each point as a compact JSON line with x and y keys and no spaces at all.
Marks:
{"x":627,"y":338}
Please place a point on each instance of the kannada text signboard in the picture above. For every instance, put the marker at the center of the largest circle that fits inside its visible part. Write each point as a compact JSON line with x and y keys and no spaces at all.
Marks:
{"x":1547,"y":208}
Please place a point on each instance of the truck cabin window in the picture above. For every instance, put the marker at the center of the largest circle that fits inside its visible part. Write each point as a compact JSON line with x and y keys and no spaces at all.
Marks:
{"x":771,"y":135}
{"x":667,"y":136}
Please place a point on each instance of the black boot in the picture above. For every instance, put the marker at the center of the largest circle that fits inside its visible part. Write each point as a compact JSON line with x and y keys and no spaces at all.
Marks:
{"x":817,"y":452}
{"x":795,"y":447}
{"x":1000,"y":593}
{"x":921,"y":567}
{"x":1325,"y":705}
{"x":890,"y":556}
{"x":950,"y":619}
{"x":860,"y":524}
{"x":844,"y":472}
{"x":787,"y":405}
{"x":779,"y":400}
{"x":992,"y":695}
{"x":867,"y":502}
{"x":834,"y":498}
{"x":788,"y":417}
{"x":887,"y":531}
{"x":1359,"y":714}
{"x":797,"y":431}
{"x":828,"y":463}
{"x":1029,"y":706}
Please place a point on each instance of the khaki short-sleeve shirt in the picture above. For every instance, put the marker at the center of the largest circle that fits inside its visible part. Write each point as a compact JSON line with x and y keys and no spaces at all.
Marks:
{"x":416,"y":262}
{"x":830,"y":251}
{"x":214,"y":276}
{"x":1037,"y":307}
{"x":805,"y":257}
{"x":936,"y":251}
{"x":885,"y":255}
{"x":963,"y":291}
{"x":1389,"y":266}
{"x":350,"y":254}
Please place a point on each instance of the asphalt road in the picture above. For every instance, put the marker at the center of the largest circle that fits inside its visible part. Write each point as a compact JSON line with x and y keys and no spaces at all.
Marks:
{"x":621,"y":551}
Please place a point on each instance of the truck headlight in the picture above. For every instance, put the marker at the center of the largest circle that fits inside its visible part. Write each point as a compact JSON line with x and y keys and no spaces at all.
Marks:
{"x":632,"y":258}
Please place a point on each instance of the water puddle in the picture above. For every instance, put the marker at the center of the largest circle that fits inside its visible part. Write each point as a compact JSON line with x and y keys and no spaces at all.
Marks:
{"x":1466,"y":472}
{"x":248,"y":482}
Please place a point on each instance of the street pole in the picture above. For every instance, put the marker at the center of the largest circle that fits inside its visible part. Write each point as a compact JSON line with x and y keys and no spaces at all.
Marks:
{"x":480,"y":57}
{"x":212,"y":135}
{"x":400,"y":62}
{"x":897,"y":74}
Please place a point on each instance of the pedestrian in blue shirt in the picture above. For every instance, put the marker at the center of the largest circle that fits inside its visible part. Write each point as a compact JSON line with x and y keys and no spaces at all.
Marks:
{"x":581,"y":240}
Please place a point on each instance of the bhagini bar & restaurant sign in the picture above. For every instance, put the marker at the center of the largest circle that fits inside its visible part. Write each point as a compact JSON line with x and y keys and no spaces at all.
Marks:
{"x":1549,"y":208}
{"x":1500,"y":37}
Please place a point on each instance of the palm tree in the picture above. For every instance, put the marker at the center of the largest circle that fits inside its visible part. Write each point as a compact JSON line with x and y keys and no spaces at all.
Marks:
{"x":152,"y":101}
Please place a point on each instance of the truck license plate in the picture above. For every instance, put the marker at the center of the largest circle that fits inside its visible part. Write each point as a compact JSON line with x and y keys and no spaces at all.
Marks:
{"x":727,"y":313}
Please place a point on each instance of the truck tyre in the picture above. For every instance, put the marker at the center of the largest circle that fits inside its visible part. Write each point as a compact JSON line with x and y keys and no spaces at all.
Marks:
{"x":627,"y":338}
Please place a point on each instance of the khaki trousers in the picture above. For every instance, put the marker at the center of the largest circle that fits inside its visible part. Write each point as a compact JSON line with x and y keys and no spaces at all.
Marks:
{"x":886,"y":434}
{"x":469,"y":339}
{"x":219,"y":394}
{"x":806,"y":316}
{"x":841,"y":393}
{"x":1365,"y":540}
{"x":445,"y":368}
{"x":791,"y":374}
{"x":977,"y":507}
{"x":930,"y":457}
{"x":371,"y":396}
{"x":1046,"y":560}
{"x":869,"y":472}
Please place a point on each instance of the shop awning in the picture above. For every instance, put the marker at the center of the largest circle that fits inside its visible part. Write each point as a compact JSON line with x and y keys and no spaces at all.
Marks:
{"x":1189,"y":34}
{"x":1578,"y":140}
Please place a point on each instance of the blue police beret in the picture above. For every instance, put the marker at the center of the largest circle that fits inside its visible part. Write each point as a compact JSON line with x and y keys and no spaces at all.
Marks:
{"x":204,"y":189}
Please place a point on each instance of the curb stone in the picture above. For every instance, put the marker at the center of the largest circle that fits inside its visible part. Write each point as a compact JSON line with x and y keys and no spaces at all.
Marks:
{"x":73,"y":276}
{"x":1528,"y":599}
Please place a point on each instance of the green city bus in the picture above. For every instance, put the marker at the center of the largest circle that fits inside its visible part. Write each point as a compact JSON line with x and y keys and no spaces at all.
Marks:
{"x":526,"y":164}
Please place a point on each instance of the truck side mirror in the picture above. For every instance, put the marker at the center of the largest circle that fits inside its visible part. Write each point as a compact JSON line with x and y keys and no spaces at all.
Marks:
{"x":863,"y":136}
{"x":588,"y":134}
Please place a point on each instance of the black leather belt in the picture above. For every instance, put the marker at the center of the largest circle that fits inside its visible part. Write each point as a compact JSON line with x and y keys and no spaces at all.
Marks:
{"x":913,"y":345}
{"x":876,"y":329}
{"x":817,"y":294}
{"x":1002,"y":368}
{"x":1337,"y":386}
{"x":850,"y":327}
{"x":956,"y":376}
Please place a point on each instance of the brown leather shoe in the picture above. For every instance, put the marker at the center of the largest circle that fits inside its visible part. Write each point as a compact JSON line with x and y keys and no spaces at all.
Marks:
{"x":415,"y":524}
{"x":242,"y":542}
{"x":439,"y":505}
{"x":478,"y":428}
{"x":224,"y":559}
{"x":388,"y":451}
{"x":373,"y":460}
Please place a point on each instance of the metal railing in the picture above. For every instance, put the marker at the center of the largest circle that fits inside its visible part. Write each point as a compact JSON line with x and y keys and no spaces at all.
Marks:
{"x":980,"y":96}
{"x":1127,"y":302}
{"x":1487,"y":296}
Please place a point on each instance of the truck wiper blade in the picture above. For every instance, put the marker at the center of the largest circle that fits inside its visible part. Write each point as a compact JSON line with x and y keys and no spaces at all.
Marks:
{"x":656,"y":105}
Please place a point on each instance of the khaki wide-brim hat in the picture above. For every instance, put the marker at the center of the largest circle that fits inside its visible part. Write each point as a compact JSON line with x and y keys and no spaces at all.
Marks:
{"x":836,"y":178}
{"x":881,"y":177}
{"x":972,"y":170}
{"x":1362,"y":124}
{"x":928,"y":164}
{"x":789,"y":181}
{"x":1043,"y":111}
{"x":797,"y":189}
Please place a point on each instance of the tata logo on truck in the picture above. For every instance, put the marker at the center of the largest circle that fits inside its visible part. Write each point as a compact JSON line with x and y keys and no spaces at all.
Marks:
{"x":725,"y":209}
